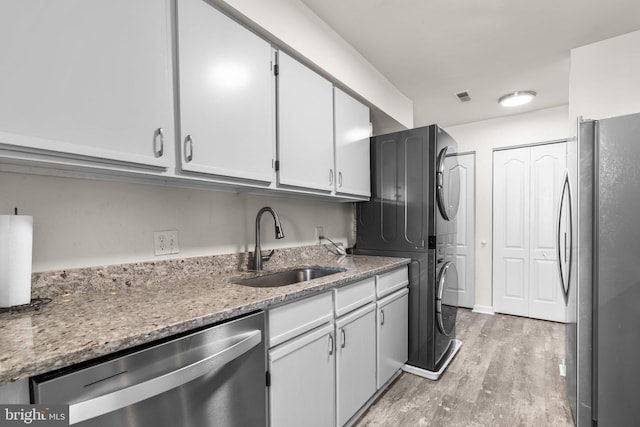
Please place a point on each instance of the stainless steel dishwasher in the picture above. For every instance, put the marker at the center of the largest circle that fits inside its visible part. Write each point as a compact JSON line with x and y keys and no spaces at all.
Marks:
{"x":213,"y":377}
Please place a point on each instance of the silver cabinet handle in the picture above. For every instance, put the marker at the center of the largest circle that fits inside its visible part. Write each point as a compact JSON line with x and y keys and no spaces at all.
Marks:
{"x":188,"y":148}
{"x":344,"y":338}
{"x":330,"y":176}
{"x":381,"y":317}
{"x":340,"y":179}
{"x":331,"y":345}
{"x":101,"y":405}
{"x":158,"y":137}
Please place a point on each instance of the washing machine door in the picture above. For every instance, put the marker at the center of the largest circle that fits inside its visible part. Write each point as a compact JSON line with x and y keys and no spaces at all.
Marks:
{"x":447,"y":185}
{"x":445,"y":310}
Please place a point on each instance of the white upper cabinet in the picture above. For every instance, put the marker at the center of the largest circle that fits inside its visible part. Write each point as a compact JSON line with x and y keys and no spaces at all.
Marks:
{"x":227,"y":96}
{"x":305,"y":127}
{"x":87,"y":79}
{"x":351,"y":120}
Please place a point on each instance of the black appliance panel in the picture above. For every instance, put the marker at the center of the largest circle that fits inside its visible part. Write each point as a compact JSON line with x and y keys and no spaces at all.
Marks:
{"x":402,"y":219}
{"x":399,"y":215}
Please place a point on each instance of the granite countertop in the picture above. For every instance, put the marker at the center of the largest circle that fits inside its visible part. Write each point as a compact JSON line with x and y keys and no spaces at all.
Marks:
{"x":144,"y":303}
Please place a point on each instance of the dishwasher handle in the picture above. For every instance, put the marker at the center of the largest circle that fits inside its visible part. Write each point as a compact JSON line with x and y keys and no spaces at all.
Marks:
{"x":101,"y":405}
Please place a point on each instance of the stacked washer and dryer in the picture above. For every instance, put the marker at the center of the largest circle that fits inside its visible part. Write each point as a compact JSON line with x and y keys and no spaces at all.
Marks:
{"x":411,"y":214}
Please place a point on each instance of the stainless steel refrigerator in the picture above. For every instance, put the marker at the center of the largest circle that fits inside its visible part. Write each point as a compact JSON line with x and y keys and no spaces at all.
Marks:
{"x":415,"y":196}
{"x":599,"y":245}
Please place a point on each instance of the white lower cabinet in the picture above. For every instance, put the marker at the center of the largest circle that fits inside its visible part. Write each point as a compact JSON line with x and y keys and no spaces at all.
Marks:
{"x":392,"y":334}
{"x":330,"y":353}
{"x":303,"y":380}
{"x":356,"y":361}
{"x":301,"y":362}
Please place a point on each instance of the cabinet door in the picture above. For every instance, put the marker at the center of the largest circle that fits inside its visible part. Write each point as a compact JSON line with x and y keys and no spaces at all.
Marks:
{"x":305,"y":127}
{"x":356,"y":361}
{"x":351,"y":121}
{"x":227,"y":97}
{"x":393,"y":334}
{"x":88,"y":79}
{"x":302,"y":390}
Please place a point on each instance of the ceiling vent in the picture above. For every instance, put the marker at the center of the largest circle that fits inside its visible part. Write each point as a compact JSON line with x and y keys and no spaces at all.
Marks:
{"x":463,"y":96}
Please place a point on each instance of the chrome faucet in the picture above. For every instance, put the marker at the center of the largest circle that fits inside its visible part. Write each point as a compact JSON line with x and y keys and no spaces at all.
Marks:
{"x":257,"y":256}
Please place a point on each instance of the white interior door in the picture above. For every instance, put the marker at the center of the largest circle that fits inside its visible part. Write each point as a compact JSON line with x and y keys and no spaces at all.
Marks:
{"x":511,"y":231}
{"x":526,"y":188}
{"x":548,"y":163}
{"x":465,"y":234}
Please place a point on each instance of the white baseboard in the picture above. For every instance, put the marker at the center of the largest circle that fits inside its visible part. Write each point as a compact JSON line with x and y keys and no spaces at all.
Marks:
{"x":484,"y":309}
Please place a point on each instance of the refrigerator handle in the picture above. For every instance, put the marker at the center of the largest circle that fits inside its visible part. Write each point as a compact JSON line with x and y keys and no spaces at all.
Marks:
{"x":566,"y":189}
{"x":570,"y":229}
{"x":558,"y":231}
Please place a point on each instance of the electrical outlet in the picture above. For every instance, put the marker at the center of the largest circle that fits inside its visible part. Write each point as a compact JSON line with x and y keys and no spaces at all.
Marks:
{"x":319,"y":233}
{"x":166,"y":242}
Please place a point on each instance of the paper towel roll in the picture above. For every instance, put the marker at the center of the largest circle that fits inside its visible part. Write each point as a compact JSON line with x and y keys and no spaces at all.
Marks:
{"x":16,"y":244}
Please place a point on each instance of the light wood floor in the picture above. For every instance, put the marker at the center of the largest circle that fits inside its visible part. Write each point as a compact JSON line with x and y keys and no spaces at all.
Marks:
{"x":505,"y":374}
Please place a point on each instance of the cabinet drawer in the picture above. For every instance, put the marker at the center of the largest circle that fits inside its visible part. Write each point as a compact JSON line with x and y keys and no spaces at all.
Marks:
{"x":353,"y":296}
{"x":296,"y":318}
{"x":387,"y":283}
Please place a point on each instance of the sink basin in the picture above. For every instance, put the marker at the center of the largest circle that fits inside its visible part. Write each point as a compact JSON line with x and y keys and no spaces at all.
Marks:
{"x":288,"y":277}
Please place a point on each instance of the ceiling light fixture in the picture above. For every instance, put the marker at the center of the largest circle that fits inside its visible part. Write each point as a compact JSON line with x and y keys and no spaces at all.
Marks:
{"x":517,"y":98}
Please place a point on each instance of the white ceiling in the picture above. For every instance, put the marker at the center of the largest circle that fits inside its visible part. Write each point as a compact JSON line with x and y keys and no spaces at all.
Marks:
{"x":431,"y":49}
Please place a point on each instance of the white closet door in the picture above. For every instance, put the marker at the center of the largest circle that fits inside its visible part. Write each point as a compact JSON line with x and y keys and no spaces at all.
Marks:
{"x":511,"y":231}
{"x":526,"y":188}
{"x":465,"y":234}
{"x":547,"y":170}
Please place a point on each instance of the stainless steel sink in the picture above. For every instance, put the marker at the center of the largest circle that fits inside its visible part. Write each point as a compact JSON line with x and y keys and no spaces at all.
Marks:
{"x":288,"y":277}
